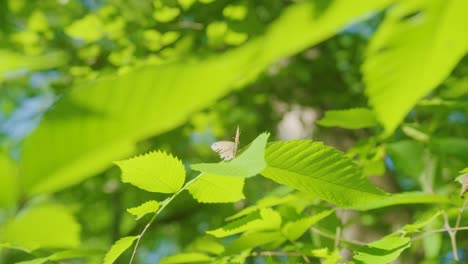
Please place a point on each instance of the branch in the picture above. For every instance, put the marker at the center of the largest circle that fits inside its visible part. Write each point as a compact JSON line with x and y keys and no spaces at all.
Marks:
{"x":164,"y":204}
{"x":451,"y":235}
{"x":355,"y":242}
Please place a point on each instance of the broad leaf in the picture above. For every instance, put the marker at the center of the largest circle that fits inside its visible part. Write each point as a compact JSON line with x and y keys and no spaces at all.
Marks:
{"x":8,"y":181}
{"x":15,"y":63}
{"x":118,"y":248}
{"x":350,"y":118}
{"x":34,"y":261}
{"x":384,"y":250}
{"x":422,"y":222}
{"x":251,"y":240}
{"x":154,"y":172}
{"x":83,"y":132}
{"x":144,"y":209}
{"x":320,"y":170}
{"x":249,"y":163}
{"x":206,"y":244}
{"x":42,"y":226}
{"x":211,"y":188}
{"x":414,"y":50}
{"x":294,"y":230}
{"x":404,"y":198}
{"x":186,"y":258}
{"x":267,"y":219}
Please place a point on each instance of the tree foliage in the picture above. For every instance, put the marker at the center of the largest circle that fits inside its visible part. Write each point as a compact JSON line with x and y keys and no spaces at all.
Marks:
{"x":353,"y":121}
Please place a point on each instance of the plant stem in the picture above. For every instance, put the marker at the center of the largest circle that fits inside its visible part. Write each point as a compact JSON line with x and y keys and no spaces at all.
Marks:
{"x":164,"y":204}
{"x":451,"y":235}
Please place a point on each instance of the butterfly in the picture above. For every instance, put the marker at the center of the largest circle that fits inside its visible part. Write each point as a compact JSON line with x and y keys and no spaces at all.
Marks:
{"x":227,"y":149}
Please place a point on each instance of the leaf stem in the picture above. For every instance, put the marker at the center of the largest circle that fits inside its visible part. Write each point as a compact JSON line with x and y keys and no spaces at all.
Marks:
{"x":164,"y":204}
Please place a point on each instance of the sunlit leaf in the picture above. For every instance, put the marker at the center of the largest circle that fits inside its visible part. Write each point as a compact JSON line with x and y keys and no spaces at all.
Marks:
{"x":320,"y":170}
{"x":9,"y":190}
{"x":251,"y":240}
{"x":83,"y":132}
{"x":154,"y":172}
{"x":294,"y":230}
{"x":266,"y":219}
{"x":43,"y":226}
{"x":143,"y":209}
{"x":384,"y":250}
{"x":398,"y":70}
{"x":118,"y":248}
{"x":404,"y":198}
{"x":206,"y":244}
{"x":212,"y":188}
{"x":350,"y":118}
{"x":249,"y":163}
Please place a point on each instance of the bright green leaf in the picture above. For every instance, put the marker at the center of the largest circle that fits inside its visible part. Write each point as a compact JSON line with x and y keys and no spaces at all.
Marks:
{"x":294,"y":230}
{"x":320,"y":170}
{"x":251,"y":240}
{"x":398,"y":71}
{"x":9,"y":190}
{"x":420,"y":223}
{"x":146,"y":208}
{"x":166,"y":14}
{"x":186,"y":258}
{"x":89,"y":28}
{"x":384,"y":250}
{"x":206,"y":244}
{"x":34,"y":261}
{"x":212,"y":188}
{"x":89,"y":133}
{"x":350,"y":118}
{"x":43,"y":226}
{"x":266,"y":219}
{"x":404,"y":198}
{"x":249,"y":163}
{"x":154,"y":172}
{"x":118,"y":248}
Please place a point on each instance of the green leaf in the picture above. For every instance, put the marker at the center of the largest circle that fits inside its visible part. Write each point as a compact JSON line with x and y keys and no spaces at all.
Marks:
{"x":320,"y":170}
{"x":384,"y":250}
{"x":118,"y":248}
{"x":350,"y":118}
{"x":42,"y":226}
{"x":267,"y":201}
{"x":34,"y":261}
{"x":186,"y":258}
{"x":251,"y":240}
{"x":206,"y":244}
{"x":422,"y":222}
{"x":266,"y":219}
{"x":16,"y":63}
{"x":154,"y":172}
{"x":143,"y":209}
{"x":407,"y":156}
{"x":404,"y":198}
{"x":398,"y":71}
{"x":249,"y":163}
{"x":294,"y":230}
{"x":83,"y":132}
{"x":9,"y":190}
{"x":211,"y":188}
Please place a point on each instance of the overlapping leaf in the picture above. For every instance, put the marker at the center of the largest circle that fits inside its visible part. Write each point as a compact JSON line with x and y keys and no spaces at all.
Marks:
{"x":100,"y":121}
{"x":249,"y":163}
{"x":384,"y":250}
{"x":320,"y":170}
{"x":414,"y":50}
{"x":144,"y":209}
{"x":212,"y":188}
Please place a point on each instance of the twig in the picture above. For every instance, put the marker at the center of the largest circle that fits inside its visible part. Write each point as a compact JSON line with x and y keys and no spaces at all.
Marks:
{"x":451,"y":235}
{"x":431,"y":232}
{"x":337,"y":237}
{"x":164,"y":204}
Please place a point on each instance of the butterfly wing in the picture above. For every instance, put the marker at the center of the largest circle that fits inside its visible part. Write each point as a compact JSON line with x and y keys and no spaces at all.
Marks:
{"x":225,"y":149}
